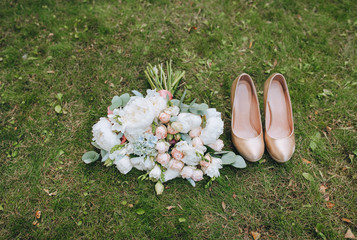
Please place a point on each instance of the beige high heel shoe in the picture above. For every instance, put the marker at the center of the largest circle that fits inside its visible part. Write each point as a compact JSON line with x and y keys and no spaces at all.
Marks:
{"x":279,"y":125}
{"x":247,"y":133}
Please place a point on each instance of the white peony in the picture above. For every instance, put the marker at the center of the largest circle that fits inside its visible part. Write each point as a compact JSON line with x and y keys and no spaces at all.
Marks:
{"x":155,"y":173}
{"x":170,"y":174}
{"x":213,"y":169}
{"x":189,"y":121}
{"x":157,"y":101}
{"x":173,"y":110}
{"x":212,"y":113}
{"x":189,"y":152}
{"x":123,"y":164}
{"x":142,"y":163}
{"x":212,"y":131}
{"x":217,"y":146}
{"x":162,"y":146}
{"x":137,"y":116}
{"x":103,"y":134}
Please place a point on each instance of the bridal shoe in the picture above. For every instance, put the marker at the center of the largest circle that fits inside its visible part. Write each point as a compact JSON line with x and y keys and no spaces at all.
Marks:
{"x":247,"y":134}
{"x":279,"y":125}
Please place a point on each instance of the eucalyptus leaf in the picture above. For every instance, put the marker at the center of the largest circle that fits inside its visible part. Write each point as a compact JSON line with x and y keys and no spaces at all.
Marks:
{"x":239,"y":163}
{"x":90,"y":157}
{"x":221,"y":152}
{"x":184,"y":108}
{"x":137,"y":93}
{"x":125,"y":99}
{"x":192,"y":182}
{"x":103,"y":153}
{"x":116,"y":102}
{"x":173,"y":119}
{"x":229,"y":158}
{"x":175,"y":102}
{"x":96,"y":145}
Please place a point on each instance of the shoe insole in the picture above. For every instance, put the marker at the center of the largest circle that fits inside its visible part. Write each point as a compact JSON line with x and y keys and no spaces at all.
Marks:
{"x":279,"y":111}
{"x":243,"y":107}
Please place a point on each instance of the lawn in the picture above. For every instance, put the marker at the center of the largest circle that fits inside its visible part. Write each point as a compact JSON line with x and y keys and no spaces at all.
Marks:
{"x":89,"y":51}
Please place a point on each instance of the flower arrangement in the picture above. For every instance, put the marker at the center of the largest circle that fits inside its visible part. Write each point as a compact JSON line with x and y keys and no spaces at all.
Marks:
{"x":160,"y":135}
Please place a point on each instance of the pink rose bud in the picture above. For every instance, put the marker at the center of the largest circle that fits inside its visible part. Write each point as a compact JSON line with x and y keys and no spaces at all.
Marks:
{"x":123,"y":140}
{"x":162,"y":147}
{"x":176,"y":154}
{"x":204,"y":164}
{"x":163,"y":94}
{"x":196,"y":132}
{"x":109,"y":111}
{"x":161,"y":132}
{"x":171,"y":130}
{"x":176,"y":165}
{"x":197,"y":175}
{"x":164,"y":117}
{"x":187,"y":172}
{"x":163,"y":158}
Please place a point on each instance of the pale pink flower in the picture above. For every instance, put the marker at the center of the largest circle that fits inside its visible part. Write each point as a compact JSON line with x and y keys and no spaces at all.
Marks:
{"x":197,"y":175}
{"x":164,"y":117}
{"x":205,"y":164}
{"x":176,"y":165}
{"x":163,"y":158}
{"x":176,"y":154}
{"x":149,"y":130}
{"x":161,"y":132}
{"x":162,"y":146}
{"x":196,"y":132}
{"x":197,"y":142}
{"x":187,"y":172}
{"x":170,"y":130}
{"x":177,"y":126}
{"x":217,"y":146}
{"x":163,"y":94}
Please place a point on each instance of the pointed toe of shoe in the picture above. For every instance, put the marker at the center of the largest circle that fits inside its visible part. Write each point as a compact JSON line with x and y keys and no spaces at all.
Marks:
{"x":281,"y":150}
{"x":251,"y":149}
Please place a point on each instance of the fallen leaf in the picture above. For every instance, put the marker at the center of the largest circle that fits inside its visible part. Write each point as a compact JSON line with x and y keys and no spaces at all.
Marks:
{"x":330,"y":205}
{"x":50,"y":71}
{"x":38,"y":214}
{"x":181,"y":220}
{"x":349,"y":234}
{"x":224,"y":206}
{"x":275,"y":62}
{"x":326,"y":197}
{"x":234,"y":196}
{"x":35,"y":223}
{"x":130,"y":205}
{"x":48,"y":192}
{"x":255,"y":235}
{"x":170,"y":207}
{"x":308,"y":176}
{"x":299,"y":17}
{"x":328,"y":129}
{"x":306,"y":161}
{"x":346,"y":220}
{"x":250,"y":44}
{"x":322,"y":189}
{"x":180,"y":206}
{"x":50,"y":35}
{"x":140,"y":211}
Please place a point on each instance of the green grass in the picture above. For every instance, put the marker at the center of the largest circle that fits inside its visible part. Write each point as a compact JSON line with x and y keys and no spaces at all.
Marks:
{"x":92,"y":50}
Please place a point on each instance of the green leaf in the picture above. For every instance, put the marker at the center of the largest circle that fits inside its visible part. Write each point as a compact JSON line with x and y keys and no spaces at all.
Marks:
{"x":58,"y":109}
{"x":308,"y":176}
{"x":124,"y":202}
{"x":90,"y":157}
{"x":1,"y":208}
{"x":229,"y":158}
{"x":313,"y":145}
{"x":59,"y":96}
{"x":140,"y":211}
{"x":125,"y":99}
{"x":116,"y":102}
{"x":239,"y":163}
{"x":79,"y":223}
{"x":175,"y":102}
{"x":319,"y":228}
{"x":137,"y":93}
{"x":181,"y":220}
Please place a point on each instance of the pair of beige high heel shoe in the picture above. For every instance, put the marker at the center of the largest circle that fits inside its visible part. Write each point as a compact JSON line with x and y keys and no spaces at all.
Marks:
{"x":247,"y":133}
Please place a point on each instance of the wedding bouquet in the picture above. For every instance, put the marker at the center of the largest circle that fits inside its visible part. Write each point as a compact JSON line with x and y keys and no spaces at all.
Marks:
{"x":160,"y":135}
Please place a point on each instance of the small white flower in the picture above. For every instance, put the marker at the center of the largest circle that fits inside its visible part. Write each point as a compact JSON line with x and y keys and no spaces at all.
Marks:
{"x":213,"y":169}
{"x":123,"y":164}
{"x":189,"y":152}
{"x":171,"y":174}
{"x":217,"y":146}
{"x":187,"y":172}
{"x":103,"y":134}
{"x":155,"y":173}
{"x":189,"y":121}
{"x":142,"y":163}
{"x":173,"y":110}
{"x":162,"y":146}
{"x":157,"y":101}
